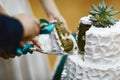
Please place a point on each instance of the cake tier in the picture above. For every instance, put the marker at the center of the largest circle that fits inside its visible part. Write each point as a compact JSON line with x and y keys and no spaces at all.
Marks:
{"x":76,"y":69}
{"x":103,"y":44}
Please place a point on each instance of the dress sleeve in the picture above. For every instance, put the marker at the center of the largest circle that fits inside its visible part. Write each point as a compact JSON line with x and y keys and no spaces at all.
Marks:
{"x":11,"y":32}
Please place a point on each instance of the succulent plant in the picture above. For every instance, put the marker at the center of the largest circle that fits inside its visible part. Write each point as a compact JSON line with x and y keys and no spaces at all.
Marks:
{"x":102,"y":16}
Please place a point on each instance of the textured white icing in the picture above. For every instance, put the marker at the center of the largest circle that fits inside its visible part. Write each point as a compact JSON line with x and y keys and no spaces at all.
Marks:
{"x":77,"y":69}
{"x":103,"y":44}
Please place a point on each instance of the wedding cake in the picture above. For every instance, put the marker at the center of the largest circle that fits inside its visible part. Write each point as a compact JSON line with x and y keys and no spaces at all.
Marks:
{"x":101,"y":60}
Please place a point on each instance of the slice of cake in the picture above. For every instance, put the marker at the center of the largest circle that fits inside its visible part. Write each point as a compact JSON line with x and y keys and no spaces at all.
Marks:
{"x":59,"y":41}
{"x":67,"y":43}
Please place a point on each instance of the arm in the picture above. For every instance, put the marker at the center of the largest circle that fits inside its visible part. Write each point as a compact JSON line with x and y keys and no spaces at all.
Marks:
{"x":8,"y":31}
{"x":50,"y":8}
{"x":53,"y":12}
{"x":6,"y":50}
{"x":11,"y":33}
{"x":13,"y":30}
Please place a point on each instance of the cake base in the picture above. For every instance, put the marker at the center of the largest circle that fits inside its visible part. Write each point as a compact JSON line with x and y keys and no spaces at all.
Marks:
{"x":77,"y":69}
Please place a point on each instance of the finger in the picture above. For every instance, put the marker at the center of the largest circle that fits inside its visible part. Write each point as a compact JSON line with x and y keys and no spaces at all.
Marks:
{"x":37,"y":21}
{"x":37,"y":49}
{"x":66,"y":27}
{"x":69,"y":31}
{"x":12,"y":55}
{"x":36,"y":43}
{"x":5,"y":55}
{"x":61,"y":19}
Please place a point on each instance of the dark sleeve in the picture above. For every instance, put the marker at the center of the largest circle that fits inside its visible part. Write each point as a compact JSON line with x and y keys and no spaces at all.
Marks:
{"x":11,"y":32}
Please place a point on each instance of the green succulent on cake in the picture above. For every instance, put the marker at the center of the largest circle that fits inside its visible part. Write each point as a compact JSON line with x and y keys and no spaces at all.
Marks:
{"x":102,"y":16}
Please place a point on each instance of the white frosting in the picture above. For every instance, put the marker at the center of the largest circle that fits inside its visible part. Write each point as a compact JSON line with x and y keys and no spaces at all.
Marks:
{"x":76,"y":69}
{"x":103,"y":44}
{"x":85,"y":20}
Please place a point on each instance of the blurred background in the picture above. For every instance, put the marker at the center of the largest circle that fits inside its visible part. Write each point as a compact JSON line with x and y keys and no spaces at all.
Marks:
{"x":72,"y":11}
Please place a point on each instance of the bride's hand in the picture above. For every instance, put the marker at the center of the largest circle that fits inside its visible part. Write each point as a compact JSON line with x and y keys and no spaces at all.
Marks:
{"x":61,"y":19}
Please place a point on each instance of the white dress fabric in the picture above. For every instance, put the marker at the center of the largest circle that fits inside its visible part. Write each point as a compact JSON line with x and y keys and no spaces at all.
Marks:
{"x":26,"y":67}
